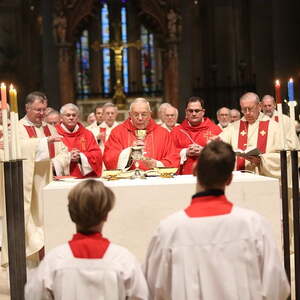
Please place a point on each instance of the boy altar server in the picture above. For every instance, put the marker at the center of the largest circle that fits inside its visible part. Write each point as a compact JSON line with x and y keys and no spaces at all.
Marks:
{"x":89,"y":266}
{"x":214,"y":249}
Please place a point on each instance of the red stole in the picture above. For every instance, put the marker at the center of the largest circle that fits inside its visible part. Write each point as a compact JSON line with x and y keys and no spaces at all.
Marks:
{"x":89,"y":246}
{"x":102,"y":134}
{"x":32,"y":134}
{"x":208,"y":206}
{"x":262,"y":138}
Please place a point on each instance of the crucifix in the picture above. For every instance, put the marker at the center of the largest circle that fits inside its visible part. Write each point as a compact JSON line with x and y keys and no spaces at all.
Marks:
{"x":117,"y":47}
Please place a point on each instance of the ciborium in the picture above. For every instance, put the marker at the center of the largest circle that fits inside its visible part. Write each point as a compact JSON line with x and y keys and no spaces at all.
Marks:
{"x":137,"y":153}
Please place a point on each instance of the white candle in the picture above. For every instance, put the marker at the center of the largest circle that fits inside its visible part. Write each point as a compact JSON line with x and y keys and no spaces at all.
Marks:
{"x":18,"y":148}
{"x":13,"y":147}
{"x":5,"y":134}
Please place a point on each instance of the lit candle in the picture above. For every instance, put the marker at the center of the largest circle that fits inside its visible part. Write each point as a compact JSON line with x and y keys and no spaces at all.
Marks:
{"x":277,"y":92}
{"x":3,"y":96}
{"x":13,"y":98}
{"x":4,"y":122}
{"x":291,"y":90}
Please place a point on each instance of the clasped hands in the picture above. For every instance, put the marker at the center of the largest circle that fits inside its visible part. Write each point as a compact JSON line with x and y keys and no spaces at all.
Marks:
{"x":193,"y":150}
{"x":75,"y":155}
{"x":147,"y":161}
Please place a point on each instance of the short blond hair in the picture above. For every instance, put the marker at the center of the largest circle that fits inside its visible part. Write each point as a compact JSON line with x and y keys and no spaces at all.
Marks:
{"x":89,"y":203}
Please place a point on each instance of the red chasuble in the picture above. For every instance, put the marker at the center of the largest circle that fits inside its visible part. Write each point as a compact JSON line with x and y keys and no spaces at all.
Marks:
{"x":158,"y":145}
{"x":83,"y":140}
{"x":207,"y":204}
{"x":185,"y":135}
{"x":88,"y":246}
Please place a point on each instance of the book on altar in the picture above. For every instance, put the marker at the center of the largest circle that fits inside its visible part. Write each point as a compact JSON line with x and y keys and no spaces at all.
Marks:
{"x":250,"y":151}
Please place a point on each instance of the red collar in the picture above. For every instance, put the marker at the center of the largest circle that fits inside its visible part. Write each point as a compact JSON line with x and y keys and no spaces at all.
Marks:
{"x":208,"y":204}
{"x":93,"y":245}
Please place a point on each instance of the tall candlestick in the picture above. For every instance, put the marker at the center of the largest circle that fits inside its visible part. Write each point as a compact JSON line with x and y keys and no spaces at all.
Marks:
{"x":3,"y":96}
{"x":291,"y":90}
{"x":281,"y":126}
{"x":277,"y":92}
{"x":5,"y":133}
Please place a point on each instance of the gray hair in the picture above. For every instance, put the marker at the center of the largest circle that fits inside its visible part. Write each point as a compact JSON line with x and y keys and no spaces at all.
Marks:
{"x":268,"y":96}
{"x":250,"y":95}
{"x":235,"y":110}
{"x":70,"y":106}
{"x":219,"y":110}
{"x":140,"y":100}
{"x":36,"y":95}
{"x":53,"y":112}
{"x":109,"y":104}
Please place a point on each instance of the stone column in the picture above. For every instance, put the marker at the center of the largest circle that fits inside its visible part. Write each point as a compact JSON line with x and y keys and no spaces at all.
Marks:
{"x":171,"y":68}
{"x":66,"y":80}
{"x":49,"y":73}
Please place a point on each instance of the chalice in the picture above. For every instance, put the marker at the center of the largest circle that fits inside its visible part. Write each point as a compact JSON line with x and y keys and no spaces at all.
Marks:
{"x":137,"y":153}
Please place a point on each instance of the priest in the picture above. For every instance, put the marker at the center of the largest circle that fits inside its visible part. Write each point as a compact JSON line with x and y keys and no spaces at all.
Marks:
{"x":43,"y":152}
{"x":193,"y":134}
{"x":255,"y":130}
{"x":157,"y":143}
{"x":269,"y":108}
{"x":86,"y":157}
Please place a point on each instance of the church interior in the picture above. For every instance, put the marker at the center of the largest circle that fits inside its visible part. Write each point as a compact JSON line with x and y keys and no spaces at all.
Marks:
{"x":175,"y":49}
{"x":91,"y":52}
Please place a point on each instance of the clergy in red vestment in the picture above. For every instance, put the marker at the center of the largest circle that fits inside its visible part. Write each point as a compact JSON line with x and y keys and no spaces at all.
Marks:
{"x":192,"y":134}
{"x":86,"y":157}
{"x":157,"y":144}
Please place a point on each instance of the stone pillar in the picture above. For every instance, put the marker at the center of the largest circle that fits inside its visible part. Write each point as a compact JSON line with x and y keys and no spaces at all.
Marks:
{"x":66,"y":80}
{"x":171,"y":67}
{"x":95,"y":57}
{"x":185,"y":50}
{"x":49,"y":73}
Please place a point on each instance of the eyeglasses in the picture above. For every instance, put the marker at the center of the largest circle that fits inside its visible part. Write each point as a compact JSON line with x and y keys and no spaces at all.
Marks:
{"x":194,"y":110}
{"x":248,"y":109}
{"x":137,"y":115}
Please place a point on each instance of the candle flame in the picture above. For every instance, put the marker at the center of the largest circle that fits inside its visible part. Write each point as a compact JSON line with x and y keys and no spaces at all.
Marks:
{"x":291,"y":80}
{"x":11,"y":87}
{"x":277,"y":82}
{"x":3,"y":85}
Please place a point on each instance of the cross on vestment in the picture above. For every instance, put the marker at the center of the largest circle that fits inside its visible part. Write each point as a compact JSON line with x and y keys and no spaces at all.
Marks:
{"x":117,"y":47}
{"x":207,"y":135}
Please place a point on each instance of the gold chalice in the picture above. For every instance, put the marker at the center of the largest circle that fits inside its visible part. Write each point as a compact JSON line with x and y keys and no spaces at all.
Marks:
{"x":137,"y":153}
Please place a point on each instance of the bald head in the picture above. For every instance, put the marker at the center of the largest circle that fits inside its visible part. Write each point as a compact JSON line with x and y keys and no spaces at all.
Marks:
{"x":268,"y":105}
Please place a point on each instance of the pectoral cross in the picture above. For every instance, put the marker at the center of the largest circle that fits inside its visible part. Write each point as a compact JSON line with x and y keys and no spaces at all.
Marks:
{"x":117,"y":47}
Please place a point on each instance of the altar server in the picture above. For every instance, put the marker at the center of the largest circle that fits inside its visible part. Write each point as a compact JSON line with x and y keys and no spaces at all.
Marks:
{"x":214,"y":249}
{"x":89,"y":266}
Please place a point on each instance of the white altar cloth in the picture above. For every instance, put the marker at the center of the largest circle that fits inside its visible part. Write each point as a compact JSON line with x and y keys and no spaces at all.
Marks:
{"x":142,"y":203}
